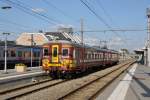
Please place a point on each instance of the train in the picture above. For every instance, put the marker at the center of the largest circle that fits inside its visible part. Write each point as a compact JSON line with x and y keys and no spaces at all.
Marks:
{"x":20,"y":54}
{"x":66,"y":59}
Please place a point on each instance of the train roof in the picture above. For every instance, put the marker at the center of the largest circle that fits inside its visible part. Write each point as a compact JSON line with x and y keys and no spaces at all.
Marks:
{"x":80,"y":45}
{"x":14,"y":45}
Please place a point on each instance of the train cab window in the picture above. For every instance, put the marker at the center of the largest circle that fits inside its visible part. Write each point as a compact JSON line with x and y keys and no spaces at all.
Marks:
{"x":65,"y":52}
{"x":19,"y":53}
{"x":46,"y":51}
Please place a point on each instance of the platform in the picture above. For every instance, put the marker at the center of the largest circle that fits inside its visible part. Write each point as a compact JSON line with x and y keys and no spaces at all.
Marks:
{"x":13,"y":75}
{"x":133,"y":84}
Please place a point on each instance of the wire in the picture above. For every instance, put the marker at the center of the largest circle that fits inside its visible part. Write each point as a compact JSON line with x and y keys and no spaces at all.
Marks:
{"x":119,"y":30}
{"x":49,"y":18}
{"x":104,"y":10}
{"x":13,"y":23}
{"x":30,"y":12}
{"x":59,"y":10}
{"x":99,"y":17}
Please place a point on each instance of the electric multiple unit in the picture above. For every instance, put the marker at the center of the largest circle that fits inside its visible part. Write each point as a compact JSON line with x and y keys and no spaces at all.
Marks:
{"x":67,"y":58}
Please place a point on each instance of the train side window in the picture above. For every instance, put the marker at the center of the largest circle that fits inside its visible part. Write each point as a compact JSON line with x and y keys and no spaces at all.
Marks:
{"x":89,"y":56}
{"x":46,"y":51}
{"x":4,"y":54}
{"x":19,"y":53}
{"x":34,"y":54}
{"x":38,"y":54}
{"x":65,"y":52}
{"x":13,"y":54}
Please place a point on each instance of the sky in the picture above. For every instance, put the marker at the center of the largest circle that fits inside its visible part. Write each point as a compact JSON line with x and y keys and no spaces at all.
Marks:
{"x":48,"y":15}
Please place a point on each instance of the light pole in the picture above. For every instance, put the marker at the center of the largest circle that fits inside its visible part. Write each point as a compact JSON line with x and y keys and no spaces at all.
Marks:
{"x":6,"y":7}
{"x":5,"y":67}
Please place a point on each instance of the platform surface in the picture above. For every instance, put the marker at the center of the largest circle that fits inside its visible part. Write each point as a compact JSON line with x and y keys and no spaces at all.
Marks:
{"x":133,"y":84}
{"x":140,"y":86}
{"x":12,"y":74}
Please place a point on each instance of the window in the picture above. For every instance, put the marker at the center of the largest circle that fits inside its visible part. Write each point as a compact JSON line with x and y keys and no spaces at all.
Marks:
{"x":13,"y":54}
{"x":19,"y":53}
{"x":34,"y":54}
{"x":55,"y":52}
{"x":38,"y":54}
{"x":4,"y":53}
{"x":46,"y":51}
{"x":65,"y":52}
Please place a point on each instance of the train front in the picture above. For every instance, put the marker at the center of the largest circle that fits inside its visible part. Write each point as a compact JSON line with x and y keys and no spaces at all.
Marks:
{"x":58,"y":59}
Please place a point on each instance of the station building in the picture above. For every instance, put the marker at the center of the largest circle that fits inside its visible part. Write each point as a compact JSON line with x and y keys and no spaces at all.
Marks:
{"x":44,"y":37}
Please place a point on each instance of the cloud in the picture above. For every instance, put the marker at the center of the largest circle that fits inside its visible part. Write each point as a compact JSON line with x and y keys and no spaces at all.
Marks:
{"x":91,"y":41}
{"x":38,"y":10}
{"x":63,"y":25}
{"x":55,"y":27}
{"x":116,"y":41}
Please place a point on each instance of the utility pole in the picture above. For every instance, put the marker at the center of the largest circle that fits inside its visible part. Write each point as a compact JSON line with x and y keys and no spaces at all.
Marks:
{"x":31,"y":49}
{"x":5,"y":66}
{"x":147,"y":52}
{"x":148,"y":26}
{"x":82,"y":42}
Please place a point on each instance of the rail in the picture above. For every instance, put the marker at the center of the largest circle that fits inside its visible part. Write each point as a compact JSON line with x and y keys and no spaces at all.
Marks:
{"x":79,"y":94}
{"x":27,"y":89}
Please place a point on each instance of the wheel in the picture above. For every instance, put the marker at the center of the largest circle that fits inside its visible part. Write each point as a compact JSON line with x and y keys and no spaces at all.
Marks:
{"x":68,"y":75}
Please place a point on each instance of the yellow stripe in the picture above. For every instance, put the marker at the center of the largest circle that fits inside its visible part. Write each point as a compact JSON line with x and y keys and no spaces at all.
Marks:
{"x":66,"y":63}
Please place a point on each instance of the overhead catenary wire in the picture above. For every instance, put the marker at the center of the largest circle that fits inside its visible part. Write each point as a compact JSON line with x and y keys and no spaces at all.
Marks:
{"x":56,"y":8}
{"x":43,"y":15}
{"x":119,"y":30}
{"x":91,"y":10}
{"x":19,"y":26}
{"x":97,"y":15}
{"x":28,"y":10}
{"x":104,"y":10}
{"x":13,"y":23}
{"x":64,"y":13}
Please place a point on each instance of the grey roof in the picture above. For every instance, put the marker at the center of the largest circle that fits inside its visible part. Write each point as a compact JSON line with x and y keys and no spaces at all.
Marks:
{"x":55,"y":36}
{"x":8,"y":43}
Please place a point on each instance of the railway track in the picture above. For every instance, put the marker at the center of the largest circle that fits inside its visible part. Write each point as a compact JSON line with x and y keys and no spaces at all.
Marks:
{"x":91,"y":89}
{"x":87,"y":90}
{"x":28,"y":88}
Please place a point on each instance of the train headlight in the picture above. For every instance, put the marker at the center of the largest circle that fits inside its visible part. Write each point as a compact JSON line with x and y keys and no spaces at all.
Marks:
{"x":45,"y":61}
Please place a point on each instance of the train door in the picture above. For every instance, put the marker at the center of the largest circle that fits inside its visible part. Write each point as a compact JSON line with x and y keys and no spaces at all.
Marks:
{"x":55,"y":49}
{"x":77,"y":56}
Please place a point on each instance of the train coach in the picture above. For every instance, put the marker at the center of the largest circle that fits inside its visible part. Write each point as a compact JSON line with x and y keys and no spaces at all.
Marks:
{"x":63,"y":58}
{"x":20,"y":54}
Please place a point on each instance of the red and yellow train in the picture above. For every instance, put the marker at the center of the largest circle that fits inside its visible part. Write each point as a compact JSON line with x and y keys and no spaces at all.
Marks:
{"x":66,"y":58}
